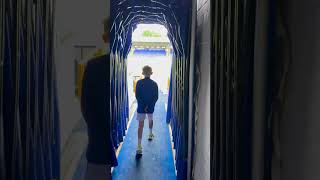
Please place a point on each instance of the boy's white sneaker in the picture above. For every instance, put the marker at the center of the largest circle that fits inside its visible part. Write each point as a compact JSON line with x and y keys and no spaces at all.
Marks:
{"x":139,"y":152}
{"x":151,"y":137}
{"x":139,"y":149}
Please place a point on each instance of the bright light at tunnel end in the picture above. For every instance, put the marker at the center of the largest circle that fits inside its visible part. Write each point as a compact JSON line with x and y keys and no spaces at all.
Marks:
{"x":156,"y":28}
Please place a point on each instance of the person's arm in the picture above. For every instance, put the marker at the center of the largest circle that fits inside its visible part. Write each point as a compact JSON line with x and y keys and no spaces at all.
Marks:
{"x":84,"y":90}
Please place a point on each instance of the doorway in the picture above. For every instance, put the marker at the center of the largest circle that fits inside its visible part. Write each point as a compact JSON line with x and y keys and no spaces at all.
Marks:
{"x":150,"y":46}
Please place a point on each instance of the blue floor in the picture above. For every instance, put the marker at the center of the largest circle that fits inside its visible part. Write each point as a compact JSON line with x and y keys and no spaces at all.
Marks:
{"x":157,"y":161}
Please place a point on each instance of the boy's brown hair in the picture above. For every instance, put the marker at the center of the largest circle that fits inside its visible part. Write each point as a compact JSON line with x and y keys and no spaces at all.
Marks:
{"x":147,"y":71}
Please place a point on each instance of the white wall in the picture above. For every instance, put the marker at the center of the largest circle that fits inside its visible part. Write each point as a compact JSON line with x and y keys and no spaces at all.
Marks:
{"x":78,"y":22}
{"x":300,"y":129}
{"x":202,"y":153}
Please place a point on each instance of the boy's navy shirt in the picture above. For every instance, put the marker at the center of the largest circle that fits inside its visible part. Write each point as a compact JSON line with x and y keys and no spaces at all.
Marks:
{"x":147,"y":95}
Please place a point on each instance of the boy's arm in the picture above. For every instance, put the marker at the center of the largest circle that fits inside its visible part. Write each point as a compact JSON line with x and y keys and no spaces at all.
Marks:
{"x":156,"y":97}
{"x":139,"y":96}
{"x":138,"y":93}
{"x":84,"y":90}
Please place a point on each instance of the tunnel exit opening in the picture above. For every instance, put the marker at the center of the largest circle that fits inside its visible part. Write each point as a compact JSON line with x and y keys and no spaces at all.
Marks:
{"x":150,"y":46}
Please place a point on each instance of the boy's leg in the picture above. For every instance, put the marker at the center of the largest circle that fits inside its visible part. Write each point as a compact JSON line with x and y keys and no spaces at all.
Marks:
{"x":140,"y":118}
{"x":150,"y":118}
{"x":140,"y":131}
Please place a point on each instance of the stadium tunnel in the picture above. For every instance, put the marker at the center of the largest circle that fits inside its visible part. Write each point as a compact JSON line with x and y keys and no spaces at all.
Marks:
{"x":263,"y":57}
{"x":125,"y":16}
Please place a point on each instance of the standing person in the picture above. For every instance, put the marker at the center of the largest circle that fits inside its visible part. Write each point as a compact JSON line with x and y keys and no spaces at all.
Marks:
{"x":95,"y":108}
{"x":147,"y":96}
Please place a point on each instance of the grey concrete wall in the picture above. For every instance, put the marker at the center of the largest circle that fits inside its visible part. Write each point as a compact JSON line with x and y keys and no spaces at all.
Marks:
{"x":300,"y":129}
{"x":78,"y":22}
{"x":202,"y":149}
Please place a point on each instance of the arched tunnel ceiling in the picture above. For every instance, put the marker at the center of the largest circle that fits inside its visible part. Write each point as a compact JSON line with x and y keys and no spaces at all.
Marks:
{"x":127,"y":14}
{"x":175,"y":15}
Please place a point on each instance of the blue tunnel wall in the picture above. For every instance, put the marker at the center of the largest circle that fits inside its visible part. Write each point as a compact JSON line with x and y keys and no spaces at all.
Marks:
{"x":176,"y":17}
{"x":29,"y":124}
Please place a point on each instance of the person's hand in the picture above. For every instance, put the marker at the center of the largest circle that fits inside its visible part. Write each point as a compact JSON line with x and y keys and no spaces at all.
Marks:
{"x":146,"y":109}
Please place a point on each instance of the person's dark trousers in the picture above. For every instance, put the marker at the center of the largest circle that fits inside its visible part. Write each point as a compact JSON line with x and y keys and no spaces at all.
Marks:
{"x":98,"y":172}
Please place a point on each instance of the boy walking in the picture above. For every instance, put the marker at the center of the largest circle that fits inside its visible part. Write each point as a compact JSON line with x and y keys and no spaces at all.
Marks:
{"x":147,"y":96}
